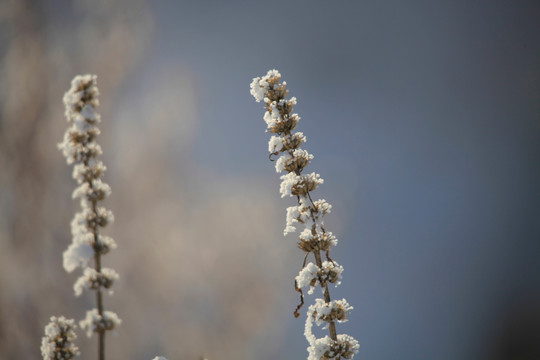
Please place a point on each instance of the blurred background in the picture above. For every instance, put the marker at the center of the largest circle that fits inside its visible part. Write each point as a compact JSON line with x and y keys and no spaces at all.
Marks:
{"x":424,"y":119}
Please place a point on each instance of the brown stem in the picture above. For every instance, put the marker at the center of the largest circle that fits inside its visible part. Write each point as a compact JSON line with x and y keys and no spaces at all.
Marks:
{"x":99,"y":296}
{"x":326,"y":293}
{"x":332,"y":325}
{"x":99,"y":300}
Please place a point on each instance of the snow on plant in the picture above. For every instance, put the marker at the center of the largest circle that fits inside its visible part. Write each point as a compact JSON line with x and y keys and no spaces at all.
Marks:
{"x":80,"y":148}
{"x":314,"y":238}
{"x":57,"y":344}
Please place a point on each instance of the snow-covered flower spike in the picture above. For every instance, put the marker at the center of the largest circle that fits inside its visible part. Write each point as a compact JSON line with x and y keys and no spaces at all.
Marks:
{"x":80,"y":148}
{"x":285,"y":145}
{"x":57,"y":344}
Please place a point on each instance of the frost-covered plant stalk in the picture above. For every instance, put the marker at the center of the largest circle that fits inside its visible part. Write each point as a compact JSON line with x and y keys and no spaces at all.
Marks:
{"x":80,"y":148}
{"x":313,"y":239}
{"x":57,"y":344}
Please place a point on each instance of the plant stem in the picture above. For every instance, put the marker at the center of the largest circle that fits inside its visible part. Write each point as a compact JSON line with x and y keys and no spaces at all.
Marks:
{"x":99,"y":300}
{"x":332,"y":325}
{"x":318,"y":262}
{"x":99,"y":297}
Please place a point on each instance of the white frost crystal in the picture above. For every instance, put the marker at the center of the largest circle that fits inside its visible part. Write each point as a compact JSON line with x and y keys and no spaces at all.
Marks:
{"x":259,"y":85}
{"x":292,"y":161}
{"x":299,"y":185}
{"x":77,"y":254}
{"x":292,"y":217}
{"x":275,"y":144}
{"x":272,"y":116}
{"x":308,"y":277}
{"x":91,"y":279}
{"x":336,"y":310}
{"x":93,"y":322}
{"x":327,"y":349}
{"x":287,"y":183}
{"x":282,"y":160}
{"x":57,"y":344}
{"x":311,"y":275}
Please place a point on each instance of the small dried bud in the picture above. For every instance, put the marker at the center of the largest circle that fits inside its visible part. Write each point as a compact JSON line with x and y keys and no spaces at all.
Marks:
{"x":292,"y":141}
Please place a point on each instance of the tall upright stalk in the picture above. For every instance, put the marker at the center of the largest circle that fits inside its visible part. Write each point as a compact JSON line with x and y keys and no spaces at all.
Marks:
{"x":314,"y":239}
{"x":80,"y":148}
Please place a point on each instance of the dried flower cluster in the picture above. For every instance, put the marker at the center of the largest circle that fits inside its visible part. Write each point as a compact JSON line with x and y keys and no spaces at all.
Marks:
{"x":313,"y":238}
{"x":80,"y":148}
{"x":57,"y":344}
